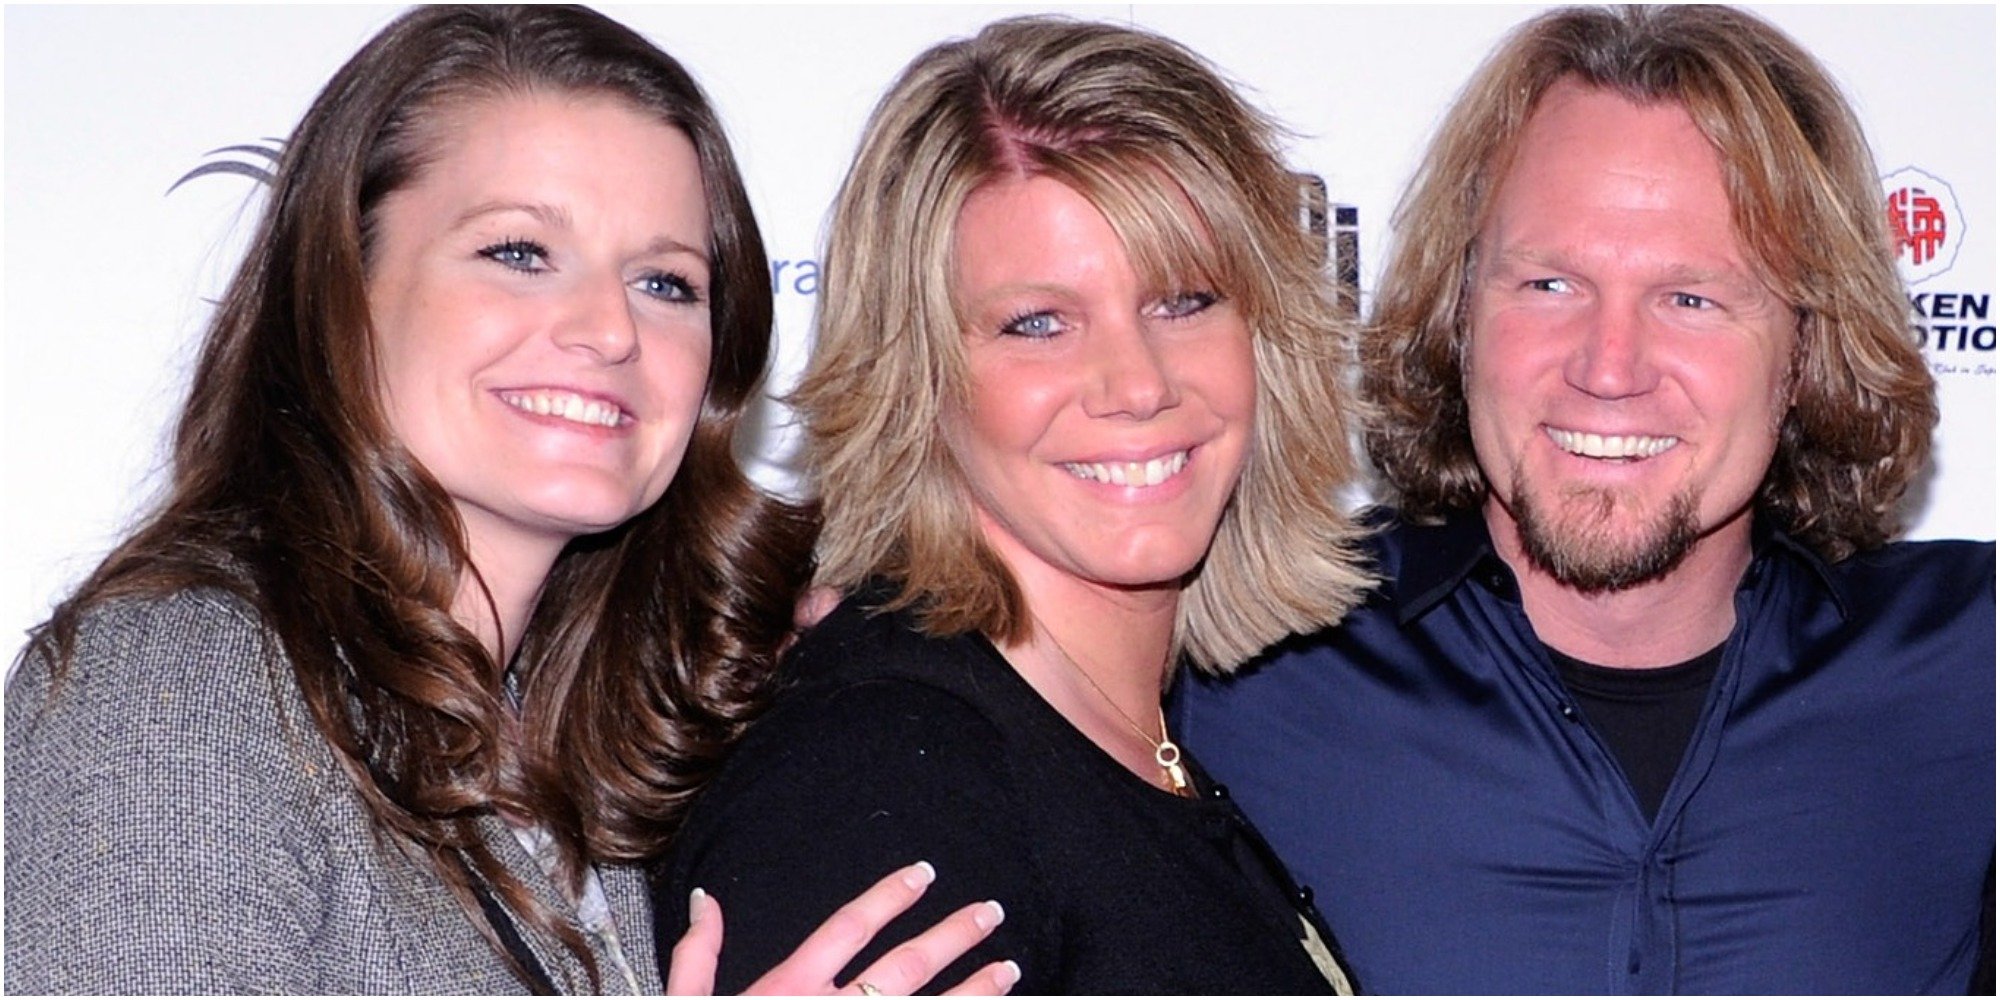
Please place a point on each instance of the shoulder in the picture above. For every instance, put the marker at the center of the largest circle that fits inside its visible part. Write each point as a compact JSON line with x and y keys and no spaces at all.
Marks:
{"x":169,"y":711}
{"x":161,"y":790}
{"x":863,"y":638}
{"x":1422,"y":559}
{"x":205,"y":615}
{"x":886,"y":747}
{"x":1936,"y":582}
{"x":873,"y":714}
{"x":1385,"y":534}
{"x":861,"y":704}
{"x":172,"y":667}
{"x":183,"y":698}
{"x":861,"y":644}
{"x":1922,"y":613}
{"x":1940,"y":563}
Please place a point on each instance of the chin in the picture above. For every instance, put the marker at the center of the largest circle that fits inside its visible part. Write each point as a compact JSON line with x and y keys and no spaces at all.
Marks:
{"x":1139,"y":571}
{"x":577,"y":516}
{"x":1598,"y":541}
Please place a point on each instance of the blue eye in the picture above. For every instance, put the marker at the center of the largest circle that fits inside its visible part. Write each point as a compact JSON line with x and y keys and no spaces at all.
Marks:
{"x":1689,"y":300}
{"x":1181,"y":305}
{"x":1557,"y":285}
{"x":518,"y":255}
{"x":1038,"y":325}
{"x":667,"y":287}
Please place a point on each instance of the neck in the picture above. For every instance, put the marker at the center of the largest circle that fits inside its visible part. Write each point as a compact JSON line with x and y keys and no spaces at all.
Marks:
{"x":1098,"y":656}
{"x":1119,"y":638}
{"x":1657,"y":623}
{"x":513,"y":571}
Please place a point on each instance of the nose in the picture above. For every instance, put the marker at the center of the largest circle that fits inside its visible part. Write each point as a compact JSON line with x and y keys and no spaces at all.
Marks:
{"x":1612,"y":357}
{"x":1129,"y":376}
{"x":597,"y":318}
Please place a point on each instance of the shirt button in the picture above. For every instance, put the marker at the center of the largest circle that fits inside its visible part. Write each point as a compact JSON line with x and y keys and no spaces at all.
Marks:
{"x":1501,"y":582}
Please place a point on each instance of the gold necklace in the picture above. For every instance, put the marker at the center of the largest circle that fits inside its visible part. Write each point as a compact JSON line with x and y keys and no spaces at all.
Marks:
{"x":1165,"y":753}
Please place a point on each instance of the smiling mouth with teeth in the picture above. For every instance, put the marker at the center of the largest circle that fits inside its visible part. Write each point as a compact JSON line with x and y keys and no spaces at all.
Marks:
{"x":1152,"y":472}
{"x":565,"y":406}
{"x":1621,"y":447}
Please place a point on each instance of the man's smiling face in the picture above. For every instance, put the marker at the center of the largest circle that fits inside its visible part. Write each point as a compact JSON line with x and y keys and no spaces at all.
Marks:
{"x":1626,"y":371}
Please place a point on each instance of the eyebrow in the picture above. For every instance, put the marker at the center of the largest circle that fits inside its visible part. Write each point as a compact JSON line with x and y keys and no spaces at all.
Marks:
{"x":1677,"y":274}
{"x":549,"y":215}
{"x":1013,"y":289}
{"x":558,"y":217}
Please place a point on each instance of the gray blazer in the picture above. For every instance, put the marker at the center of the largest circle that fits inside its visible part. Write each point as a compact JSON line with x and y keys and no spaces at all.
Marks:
{"x":175,"y":824}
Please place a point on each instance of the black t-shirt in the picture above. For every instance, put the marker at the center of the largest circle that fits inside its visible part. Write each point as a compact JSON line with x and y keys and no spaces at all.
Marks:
{"x":890,"y":747}
{"x":1646,"y":716}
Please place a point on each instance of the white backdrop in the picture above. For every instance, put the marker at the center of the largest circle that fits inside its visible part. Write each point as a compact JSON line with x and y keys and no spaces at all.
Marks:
{"x":107,"y":270}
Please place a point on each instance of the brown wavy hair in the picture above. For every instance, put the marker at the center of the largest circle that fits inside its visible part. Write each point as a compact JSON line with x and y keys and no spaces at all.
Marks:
{"x":1807,"y":203}
{"x":651,"y":644}
{"x":1145,"y":130}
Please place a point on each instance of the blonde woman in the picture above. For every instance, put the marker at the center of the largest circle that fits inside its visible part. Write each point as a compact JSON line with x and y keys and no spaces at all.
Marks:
{"x":1076,"y":415}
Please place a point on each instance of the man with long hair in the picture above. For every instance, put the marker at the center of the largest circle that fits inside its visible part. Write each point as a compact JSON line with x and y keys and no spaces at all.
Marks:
{"x":1648,"y":701}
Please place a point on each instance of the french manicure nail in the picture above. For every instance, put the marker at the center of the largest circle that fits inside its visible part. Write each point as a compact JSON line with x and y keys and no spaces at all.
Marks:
{"x":695,"y":909}
{"x":1009,"y":972}
{"x":919,"y":875}
{"x":989,"y":915}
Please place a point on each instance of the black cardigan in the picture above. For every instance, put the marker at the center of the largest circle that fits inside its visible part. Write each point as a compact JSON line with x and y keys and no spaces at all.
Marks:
{"x":889,"y":747}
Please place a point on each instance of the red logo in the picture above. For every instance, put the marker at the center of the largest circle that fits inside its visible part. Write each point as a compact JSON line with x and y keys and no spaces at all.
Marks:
{"x":1918,"y":221}
{"x":1926,"y":221}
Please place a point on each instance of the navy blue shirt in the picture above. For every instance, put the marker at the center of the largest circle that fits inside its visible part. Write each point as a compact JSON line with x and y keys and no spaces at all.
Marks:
{"x":1829,"y":829}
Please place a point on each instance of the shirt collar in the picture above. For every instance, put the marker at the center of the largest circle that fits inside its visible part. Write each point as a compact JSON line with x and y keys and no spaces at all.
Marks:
{"x":1769,"y":543}
{"x":1437,"y":559}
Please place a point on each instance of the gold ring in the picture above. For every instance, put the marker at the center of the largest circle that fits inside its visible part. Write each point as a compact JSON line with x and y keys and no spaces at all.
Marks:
{"x":867,"y":988}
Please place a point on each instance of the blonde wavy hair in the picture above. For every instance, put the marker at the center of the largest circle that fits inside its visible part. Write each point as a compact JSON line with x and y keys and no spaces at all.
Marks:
{"x":1145,"y":130}
{"x":1808,"y":206}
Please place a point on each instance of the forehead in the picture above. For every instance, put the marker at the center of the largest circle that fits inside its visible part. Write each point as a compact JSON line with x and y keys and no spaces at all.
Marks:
{"x":571,"y":152}
{"x":1593,"y":168}
{"x":1036,"y":225}
{"x":1138,"y":208}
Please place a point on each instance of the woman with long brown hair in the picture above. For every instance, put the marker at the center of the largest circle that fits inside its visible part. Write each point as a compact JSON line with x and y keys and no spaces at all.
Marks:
{"x":457,"y":592}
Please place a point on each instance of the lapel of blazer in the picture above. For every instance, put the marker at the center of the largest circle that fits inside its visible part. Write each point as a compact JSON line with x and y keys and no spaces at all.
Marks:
{"x":562,"y":967}
{"x":626,"y":889}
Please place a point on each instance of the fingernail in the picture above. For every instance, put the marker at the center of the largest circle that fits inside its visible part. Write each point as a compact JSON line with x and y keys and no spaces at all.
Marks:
{"x":695,"y":909}
{"x":989,"y":915}
{"x":1009,"y":972}
{"x":919,"y":875}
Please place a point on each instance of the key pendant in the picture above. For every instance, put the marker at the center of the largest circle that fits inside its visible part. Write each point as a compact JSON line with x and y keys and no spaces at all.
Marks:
{"x":1168,"y":756}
